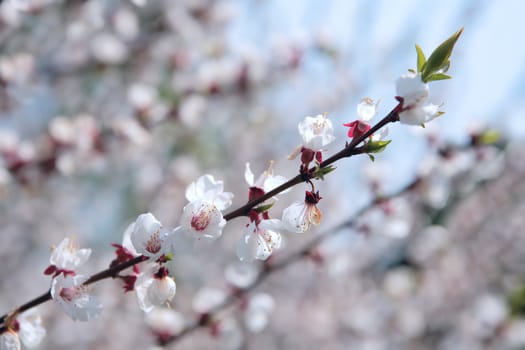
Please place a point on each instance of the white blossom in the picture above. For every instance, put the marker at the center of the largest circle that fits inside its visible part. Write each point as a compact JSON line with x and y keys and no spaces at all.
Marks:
{"x":147,"y":238}
{"x":31,"y":330}
{"x":142,"y":96}
{"x":299,"y":216}
{"x":317,"y":132}
{"x":74,"y":297}
{"x":416,"y":109}
{"x":109,"y":49}
{"x":154,"y":288}
{"x":202,"y":217}
{"x":164,"y":321}
{"x":257,"y":313}
{"x":260,"y":240}
{"x":206,"y":188}
{"x":366,"y":109}
{"x":241,"y":275}
{"x":67,"y":256}
{"x":206,"y":299}
{"x":9,"y":341}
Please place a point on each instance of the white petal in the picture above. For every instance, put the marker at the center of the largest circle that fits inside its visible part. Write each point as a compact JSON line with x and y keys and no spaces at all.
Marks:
{"x":223,"y":200}
{"x":202,"y":220}
{"x":209,"y":184}
{"x":272,"y":224}
{"x":146,"y":236}
{"x":67,"y":255}
{"x":273,"y":182}
{"x":294,"y":218}
{"x":165,"y":321}
{"x":126,"y":239}
{"x":366,"y":109}
{"x":419,"y":114}
{"x":247,"y":247}
{"x":78,"y":304}
{"x":144,"y":280}
{"x":316,"y":132}
{"x":268,"y":242}
{"x":412,"y":89}
{"x":248,"y":175}
{"x":241,"y":275}
{"x":161,"y":291}
{"x":31,"y":330}
{"x":9,"y":341}
{"x":207,"y":299}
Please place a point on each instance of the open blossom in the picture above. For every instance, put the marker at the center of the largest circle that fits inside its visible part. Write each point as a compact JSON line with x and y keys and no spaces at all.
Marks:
{"x":416,"y":109}
{"x":26,"y":329}
{"x":206,"y":188}
{"x":260,"y":240}
{"x":202,"y":217}
{"x":207,"y":298}
{"x":9,"y":340}
{"x":66,"y":257}
{"x":266,"y":182}
{"x":69,"y":292}
{"x":165,"y":323}
{"x":31,"y":331}
{"x":299,"y":216}
{"x":256,"y":315}
{"x":317,"y":133}
{"x":147,"y":238}
{"x":366,"y":110}
{"x":154,"y":287}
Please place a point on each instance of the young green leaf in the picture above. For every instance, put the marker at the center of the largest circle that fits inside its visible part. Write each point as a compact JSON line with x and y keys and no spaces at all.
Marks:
{"x":321,"y":172}
{"x":376,"y":146}
{"x":421,"y":59}
{"x":439,"y":59}
{"x":263,"y":208}
{"x":438,"y":76}
{"x":489,"y":137}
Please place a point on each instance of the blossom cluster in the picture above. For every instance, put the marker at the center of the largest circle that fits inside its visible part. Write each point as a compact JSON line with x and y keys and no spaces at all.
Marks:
{"x":146,"y":240}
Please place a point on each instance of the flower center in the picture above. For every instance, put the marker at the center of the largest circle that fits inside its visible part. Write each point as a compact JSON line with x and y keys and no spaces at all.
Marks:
{"x":319,"y":126}
{"x":202,"y":218}
{"x":70,"y":294}
{"x":154,"y":243}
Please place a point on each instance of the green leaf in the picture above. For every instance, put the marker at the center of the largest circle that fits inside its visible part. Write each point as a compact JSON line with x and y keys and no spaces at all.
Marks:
{"x":372,"y":158}
{"x":263,"y":208}
{"x":489,"y":137}
{"x":421,"y":59}
{"x":516,"y":301}
{"x":321,"y":172}
{"x":438,"y":76}
{"x":376,"y":146}
{"x":439,"y":59}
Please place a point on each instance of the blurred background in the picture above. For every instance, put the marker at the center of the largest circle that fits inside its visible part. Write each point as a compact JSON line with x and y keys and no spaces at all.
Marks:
{"x":109,"y":109}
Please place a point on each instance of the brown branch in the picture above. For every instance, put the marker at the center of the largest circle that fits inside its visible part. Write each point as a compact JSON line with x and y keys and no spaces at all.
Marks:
{"x":349,"y":150}
{"x":110,"y":272}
